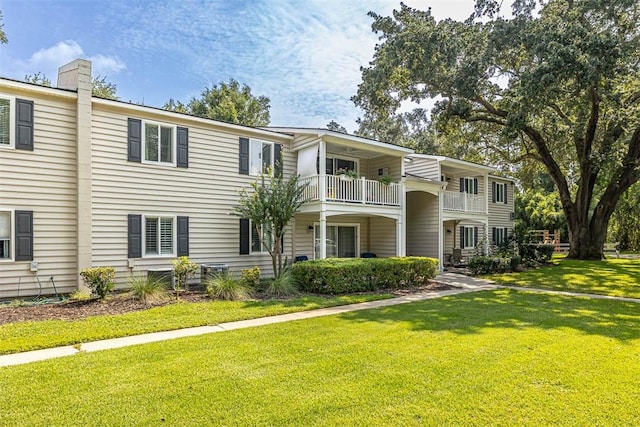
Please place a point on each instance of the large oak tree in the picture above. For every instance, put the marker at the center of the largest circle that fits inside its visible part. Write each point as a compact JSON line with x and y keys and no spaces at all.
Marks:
{"x":558,"y":83}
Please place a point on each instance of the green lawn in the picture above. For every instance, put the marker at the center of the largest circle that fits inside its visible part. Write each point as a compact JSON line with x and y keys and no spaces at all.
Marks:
{"x":615,"y":277}
{"x":489,"y":358}
{"x":24,"y":336}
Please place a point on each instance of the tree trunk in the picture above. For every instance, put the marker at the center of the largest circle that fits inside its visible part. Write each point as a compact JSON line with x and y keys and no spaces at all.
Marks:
{"x":586,"y":242}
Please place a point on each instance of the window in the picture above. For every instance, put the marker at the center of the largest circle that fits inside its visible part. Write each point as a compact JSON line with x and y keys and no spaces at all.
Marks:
{"x":469,"y":237}
{"x":499,"y":235}
{"x":334,"y":165}
{"x":6,"y":122}
{"x":260,"y":156}
{"x":500,"y":193}
{"x":158,"y":236}
{"x":5,"y":235}
{"x":159,"y":143}
{"x":469,"y":185}
{"x":256,"y":243}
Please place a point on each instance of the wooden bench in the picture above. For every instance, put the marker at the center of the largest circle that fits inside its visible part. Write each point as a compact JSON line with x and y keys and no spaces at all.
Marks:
{"x":612,"y":248}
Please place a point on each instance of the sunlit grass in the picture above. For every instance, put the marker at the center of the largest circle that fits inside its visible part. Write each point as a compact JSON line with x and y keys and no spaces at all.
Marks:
{"x":491,"y":358}
{"x":33,"y":335}
{"x":615,"y":277}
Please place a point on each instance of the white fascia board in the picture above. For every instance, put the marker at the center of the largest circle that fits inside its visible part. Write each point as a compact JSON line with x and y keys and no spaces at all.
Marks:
{"x":31,"y":87}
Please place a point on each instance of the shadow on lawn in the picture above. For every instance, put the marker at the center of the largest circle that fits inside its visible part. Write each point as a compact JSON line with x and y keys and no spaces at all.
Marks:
{"x":471,"y":313}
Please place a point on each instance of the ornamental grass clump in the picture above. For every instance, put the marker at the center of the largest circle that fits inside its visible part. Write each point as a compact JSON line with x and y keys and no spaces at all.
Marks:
{"x":147,"y":289}
{"x":283,"y":286}
{"x":226,"y":287}
{"x":99,"y":279}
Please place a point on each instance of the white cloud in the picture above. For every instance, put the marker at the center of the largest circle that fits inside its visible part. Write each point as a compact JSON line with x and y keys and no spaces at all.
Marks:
{"x":48,"y":60}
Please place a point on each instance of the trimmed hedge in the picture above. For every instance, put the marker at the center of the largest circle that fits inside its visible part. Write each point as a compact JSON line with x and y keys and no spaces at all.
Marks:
{"x":488,"y":265}
{"x":347,"y":275}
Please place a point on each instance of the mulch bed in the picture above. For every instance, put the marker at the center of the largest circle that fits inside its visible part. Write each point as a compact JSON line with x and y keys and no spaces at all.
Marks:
{"x":120,"y":303}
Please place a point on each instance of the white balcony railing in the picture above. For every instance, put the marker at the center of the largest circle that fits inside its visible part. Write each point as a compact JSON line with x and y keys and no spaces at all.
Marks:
{"x":346,"y":190}
{"x":463,"y":202}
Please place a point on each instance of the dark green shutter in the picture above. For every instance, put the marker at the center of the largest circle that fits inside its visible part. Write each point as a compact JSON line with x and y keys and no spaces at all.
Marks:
{"x":494,"y":190}
{"x":475,"y":186}
{"x":277,"y":159}
{"x":462,"y":185}
{"x":245,"y":236}
{"x":182,"y":147}
{"x":475,"y":236}
{"x":24,"y":236}
{"x":24,"y":125}
{"x":134,"y":135}
{"x":183,"y":236}
{"x":462,"y":237}
{"x":244,"y":156}
{"x":494,"y":232}
{"x":505,"y":193}
{"x":135,"y":236}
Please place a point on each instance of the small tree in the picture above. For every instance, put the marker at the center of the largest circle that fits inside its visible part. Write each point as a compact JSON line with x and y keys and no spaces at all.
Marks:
{"x":271,"y":205}
{"x":183,"y":269}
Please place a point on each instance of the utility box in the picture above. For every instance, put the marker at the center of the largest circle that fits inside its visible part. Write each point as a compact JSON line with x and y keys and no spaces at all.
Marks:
{"x":163,"y":274}
{"x":212,"y":270}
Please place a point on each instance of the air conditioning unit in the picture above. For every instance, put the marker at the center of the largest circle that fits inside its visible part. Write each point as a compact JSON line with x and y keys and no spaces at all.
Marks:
{"x":211,"y":270}
{"x":163,"y":274}
{"x":512,"y":216}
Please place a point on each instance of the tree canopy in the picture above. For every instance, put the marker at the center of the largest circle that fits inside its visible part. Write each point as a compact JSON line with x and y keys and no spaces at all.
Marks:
{"x":3,"y":35}
{"x":557,"y":84}
{"x":229,"y":102}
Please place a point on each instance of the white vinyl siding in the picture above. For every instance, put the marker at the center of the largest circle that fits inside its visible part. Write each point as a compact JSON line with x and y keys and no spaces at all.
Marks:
{"x":500,"y":213}
{"x":43,"y":181}
{"x":422,"y":224}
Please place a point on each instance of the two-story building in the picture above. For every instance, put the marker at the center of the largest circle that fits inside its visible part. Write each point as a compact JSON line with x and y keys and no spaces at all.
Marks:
{"x":86,"y":181}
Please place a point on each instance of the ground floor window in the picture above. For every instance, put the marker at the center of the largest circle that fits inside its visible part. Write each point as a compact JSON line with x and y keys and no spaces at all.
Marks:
{"x":499,"y":235}
{"x":159,"y":235}
{"x":469,"y":237}
{"x":261,"y":238}
{"x":5,"y":234}
{"x":342,"y":241}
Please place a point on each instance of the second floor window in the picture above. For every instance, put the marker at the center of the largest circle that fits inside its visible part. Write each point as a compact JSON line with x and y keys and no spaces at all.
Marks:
{"x":5,"y":122}
{"x":501,"y":193}
{"x":159,"y":143}
{"x":469,"y":185}
{"x":260,"y":157}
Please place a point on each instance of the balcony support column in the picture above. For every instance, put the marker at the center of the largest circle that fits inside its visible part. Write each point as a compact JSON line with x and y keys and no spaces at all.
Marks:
{"x":323,"y":233}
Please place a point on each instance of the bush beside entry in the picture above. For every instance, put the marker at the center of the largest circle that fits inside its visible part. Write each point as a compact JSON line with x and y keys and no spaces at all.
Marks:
{"x":341,"y":275}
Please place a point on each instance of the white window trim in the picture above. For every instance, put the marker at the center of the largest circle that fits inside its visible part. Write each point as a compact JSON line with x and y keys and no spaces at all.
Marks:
{"x":472,"y":231}
{"x":12,"y":122}
{"x":12,"y":235}
{"x":251,"y":145}
{"x":316,"y":225}
{"x":174,"y":237}
{"x":174,"y":143}
{"x":504,"y":193}
{"x":336,"y":156}
{"x":251,"y":251}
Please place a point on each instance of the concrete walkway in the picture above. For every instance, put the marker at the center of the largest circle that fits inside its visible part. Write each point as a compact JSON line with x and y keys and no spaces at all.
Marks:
{"x":462,"y":284}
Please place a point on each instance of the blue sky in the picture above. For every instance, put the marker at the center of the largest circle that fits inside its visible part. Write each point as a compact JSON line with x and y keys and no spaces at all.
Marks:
{"x":304,"y":55}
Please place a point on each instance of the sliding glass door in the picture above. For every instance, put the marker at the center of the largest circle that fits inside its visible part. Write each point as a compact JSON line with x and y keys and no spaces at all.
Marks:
{"x":342,"y":241}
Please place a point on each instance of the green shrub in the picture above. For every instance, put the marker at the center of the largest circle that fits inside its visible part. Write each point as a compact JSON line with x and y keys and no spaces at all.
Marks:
{"x":250,"y":277}
{"x":183,"y":269}
{"x":99,"y":279}
{"x":283,"y":286}
{"x":497,"y":264}
{"x":346,"y":275}
{"x":147,"y":289}
{"x":226,"y":287}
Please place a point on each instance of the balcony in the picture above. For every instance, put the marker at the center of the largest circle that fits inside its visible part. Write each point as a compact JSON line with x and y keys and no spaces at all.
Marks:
{"x":341,"y":189}
{"x":463,"y":202}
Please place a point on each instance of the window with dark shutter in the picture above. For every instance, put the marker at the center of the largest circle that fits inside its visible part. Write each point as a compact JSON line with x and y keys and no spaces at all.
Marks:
{"x":24,"y":125}
{"x":135,"y":140}
{"x":134,"y":236}
{"x":462,"y":237}
{"x":244,"y":156}
{"x":182,"y":147}
{"x":24,"y":235}
{"x":183,"y":236}
{"x":245,"y":236}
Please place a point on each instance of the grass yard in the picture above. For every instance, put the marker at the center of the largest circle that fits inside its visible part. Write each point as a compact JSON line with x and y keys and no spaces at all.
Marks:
{"x":490,"y":358}
{"x":615,"y":277}
{"x":24,"y":336}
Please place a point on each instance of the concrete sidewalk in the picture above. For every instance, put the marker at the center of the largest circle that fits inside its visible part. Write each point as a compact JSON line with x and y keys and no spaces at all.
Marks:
{"x":462,"y":284}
